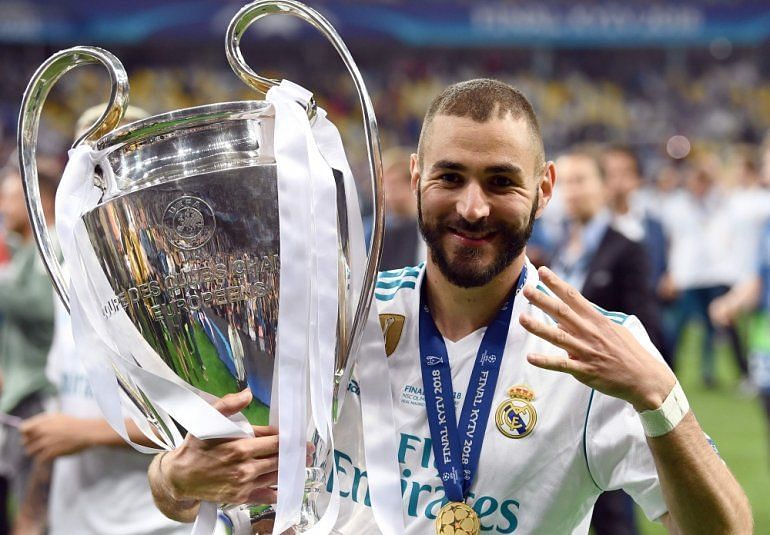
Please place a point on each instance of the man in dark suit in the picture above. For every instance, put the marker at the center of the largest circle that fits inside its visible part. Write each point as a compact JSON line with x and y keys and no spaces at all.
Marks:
{"x":613,"y":272}
{"x":632,"y":215}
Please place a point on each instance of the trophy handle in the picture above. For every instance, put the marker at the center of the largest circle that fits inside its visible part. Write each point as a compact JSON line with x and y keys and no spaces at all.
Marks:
{"x":29,"y":122}
{"x":262,"y":8}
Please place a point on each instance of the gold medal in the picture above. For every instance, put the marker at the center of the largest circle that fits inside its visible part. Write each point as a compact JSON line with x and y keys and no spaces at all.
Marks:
{"x":457,"y":518}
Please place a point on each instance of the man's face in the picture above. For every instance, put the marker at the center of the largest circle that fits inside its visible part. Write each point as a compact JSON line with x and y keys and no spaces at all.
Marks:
{"x":581,"y":186}
{"x":620,"y":174}
{"x":478,"y":195}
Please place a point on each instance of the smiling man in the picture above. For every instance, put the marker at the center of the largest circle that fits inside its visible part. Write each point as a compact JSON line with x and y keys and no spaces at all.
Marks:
{"x":517,"y":401}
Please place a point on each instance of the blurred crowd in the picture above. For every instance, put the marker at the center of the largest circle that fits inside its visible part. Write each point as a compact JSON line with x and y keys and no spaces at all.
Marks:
{"x":670,"y":229}
{"x":637,"y":98}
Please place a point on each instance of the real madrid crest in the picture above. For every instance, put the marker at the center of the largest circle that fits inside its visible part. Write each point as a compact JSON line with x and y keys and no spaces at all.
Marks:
{"x":392,"y":326}
{"x":516,"y":416}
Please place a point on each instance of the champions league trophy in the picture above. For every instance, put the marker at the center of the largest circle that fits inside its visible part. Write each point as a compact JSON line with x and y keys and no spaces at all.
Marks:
{"x":177,"y":252}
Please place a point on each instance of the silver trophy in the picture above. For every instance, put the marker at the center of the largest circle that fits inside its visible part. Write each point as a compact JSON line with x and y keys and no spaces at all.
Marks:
{"x":187,"y":231}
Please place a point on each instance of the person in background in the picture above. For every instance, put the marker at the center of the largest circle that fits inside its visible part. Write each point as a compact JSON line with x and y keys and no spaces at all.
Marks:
{"x":99,"y":483}
{"x":753,"y":295}
{"x":610,"y":270}
{"x":700,"y":264}
{"x":634,"y":218}
{"x":26,"y":329}
{"x":402,"y":245}
{"x":626,"y":201}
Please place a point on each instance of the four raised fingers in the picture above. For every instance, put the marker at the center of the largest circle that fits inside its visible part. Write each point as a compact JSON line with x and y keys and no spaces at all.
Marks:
{"x":556,"y":309}
{"x":558,"y":364}
{"x":568,"y":294}
{"x":555,"y":335}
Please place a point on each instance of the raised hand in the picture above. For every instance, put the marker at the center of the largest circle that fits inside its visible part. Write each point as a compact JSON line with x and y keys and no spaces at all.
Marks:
{"x":600,"y":353}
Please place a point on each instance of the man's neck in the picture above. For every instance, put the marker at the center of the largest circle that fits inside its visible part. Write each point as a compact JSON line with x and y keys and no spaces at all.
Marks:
{"x":458,"y":311}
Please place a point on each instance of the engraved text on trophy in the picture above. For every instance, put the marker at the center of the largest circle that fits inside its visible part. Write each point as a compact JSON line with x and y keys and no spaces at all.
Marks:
{"x":201,"y":284}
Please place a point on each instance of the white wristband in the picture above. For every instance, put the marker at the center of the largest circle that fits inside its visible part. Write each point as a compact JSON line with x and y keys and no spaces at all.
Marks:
{"x":665,"y":418}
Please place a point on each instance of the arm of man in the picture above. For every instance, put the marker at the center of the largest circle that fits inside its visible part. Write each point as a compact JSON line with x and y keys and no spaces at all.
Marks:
{"x":51,"y":435}
{"x":701,"y":494}
{"x":220,"y":471}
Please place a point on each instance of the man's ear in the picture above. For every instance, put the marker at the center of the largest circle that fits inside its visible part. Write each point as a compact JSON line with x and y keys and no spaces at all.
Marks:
{"x":414,"y":170}
{"x":546,"y":185}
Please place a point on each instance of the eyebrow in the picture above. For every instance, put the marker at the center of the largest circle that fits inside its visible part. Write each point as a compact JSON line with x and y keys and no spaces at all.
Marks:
{"x":448,"y":164}
{"x":505,"y":168}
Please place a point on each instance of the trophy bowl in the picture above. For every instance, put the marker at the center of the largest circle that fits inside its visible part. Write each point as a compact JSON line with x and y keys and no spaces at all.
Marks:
{"x":187,"y":233}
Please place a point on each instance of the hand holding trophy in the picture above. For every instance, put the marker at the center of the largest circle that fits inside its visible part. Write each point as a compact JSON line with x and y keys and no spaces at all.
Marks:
{"x":213,"y":249}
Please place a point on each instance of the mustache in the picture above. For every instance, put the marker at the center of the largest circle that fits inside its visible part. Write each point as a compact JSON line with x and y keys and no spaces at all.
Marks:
{"x":462,"y":224}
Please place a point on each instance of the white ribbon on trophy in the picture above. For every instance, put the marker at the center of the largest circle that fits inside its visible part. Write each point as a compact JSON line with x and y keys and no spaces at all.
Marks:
{"x":379,"y":427}
{"x":306,"y":351}
{"x":380,"y":445}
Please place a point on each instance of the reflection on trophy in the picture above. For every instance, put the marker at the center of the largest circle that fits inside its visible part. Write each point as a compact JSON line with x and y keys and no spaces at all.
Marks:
{"x":186,"y":230}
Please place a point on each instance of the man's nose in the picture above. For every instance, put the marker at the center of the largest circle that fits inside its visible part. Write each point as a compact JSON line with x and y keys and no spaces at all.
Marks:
{"x":473,"y":204}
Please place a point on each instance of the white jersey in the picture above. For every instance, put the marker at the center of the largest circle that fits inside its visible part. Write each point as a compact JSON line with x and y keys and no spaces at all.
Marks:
{"x":102,"y":489}
{"x":552,"y":444}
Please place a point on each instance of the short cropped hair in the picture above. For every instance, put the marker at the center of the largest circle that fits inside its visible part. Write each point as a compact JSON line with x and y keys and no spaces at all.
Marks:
{"x":478,"y":100}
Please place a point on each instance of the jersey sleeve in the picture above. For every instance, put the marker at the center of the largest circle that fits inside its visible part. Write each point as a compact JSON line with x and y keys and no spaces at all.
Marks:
{"x":616,"y":449}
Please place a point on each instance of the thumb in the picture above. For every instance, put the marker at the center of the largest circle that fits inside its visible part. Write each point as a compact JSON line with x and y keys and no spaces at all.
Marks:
{"x":232,"y":403}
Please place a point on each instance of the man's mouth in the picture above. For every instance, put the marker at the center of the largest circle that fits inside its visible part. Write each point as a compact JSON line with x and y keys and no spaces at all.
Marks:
{"x":473,"y":238}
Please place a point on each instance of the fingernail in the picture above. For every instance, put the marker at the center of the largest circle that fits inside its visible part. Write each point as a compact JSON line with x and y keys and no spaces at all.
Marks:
{"x":244,"y":395}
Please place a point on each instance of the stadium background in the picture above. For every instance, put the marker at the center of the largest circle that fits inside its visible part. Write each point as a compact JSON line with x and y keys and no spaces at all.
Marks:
{"x":634,"y":72}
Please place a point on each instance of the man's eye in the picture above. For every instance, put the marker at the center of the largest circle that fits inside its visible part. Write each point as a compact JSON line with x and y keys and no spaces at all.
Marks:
{"x":451,"y":178}
{"x":501,"y":181}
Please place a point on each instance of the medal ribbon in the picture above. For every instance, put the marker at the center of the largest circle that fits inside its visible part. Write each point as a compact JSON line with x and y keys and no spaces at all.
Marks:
{"x":457,"y":446}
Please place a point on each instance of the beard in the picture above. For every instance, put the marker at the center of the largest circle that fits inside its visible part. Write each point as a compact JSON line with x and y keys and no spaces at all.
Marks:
{"x":465,"y":269}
